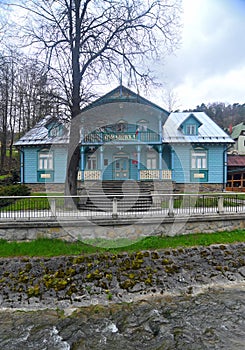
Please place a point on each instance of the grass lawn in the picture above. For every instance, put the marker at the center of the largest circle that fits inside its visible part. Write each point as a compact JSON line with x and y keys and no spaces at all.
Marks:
{"x":48,"y":247}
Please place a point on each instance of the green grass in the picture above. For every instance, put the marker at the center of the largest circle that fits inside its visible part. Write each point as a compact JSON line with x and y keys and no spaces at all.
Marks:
{"x":53,"y":247}
{"x":3,"y":177}
{"x":30,"y":203}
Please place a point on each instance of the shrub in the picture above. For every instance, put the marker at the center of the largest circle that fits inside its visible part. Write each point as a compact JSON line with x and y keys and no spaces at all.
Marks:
{"x":12,"y":190}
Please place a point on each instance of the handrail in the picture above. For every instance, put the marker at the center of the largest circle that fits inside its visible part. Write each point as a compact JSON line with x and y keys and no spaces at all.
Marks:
{"x":120,"y":205}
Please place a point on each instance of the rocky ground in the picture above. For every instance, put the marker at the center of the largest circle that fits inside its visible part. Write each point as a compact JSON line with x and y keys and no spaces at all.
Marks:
{"x":102,"y":278}
{"x":184,"y":299}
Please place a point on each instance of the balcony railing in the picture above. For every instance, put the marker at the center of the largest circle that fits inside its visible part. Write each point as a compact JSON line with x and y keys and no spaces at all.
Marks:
{"x":147,"y":174}
{"x":103,"y":137}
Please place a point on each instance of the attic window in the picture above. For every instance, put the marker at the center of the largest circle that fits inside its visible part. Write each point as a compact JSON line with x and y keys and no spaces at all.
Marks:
{"x":191,"y":129}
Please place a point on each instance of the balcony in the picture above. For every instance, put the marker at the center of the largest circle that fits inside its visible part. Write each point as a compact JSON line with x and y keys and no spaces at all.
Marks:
{"x":121,"y":137}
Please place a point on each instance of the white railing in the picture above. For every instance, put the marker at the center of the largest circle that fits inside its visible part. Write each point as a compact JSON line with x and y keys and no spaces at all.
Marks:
{"x":121,"y":205}
{"x":154,"y":174}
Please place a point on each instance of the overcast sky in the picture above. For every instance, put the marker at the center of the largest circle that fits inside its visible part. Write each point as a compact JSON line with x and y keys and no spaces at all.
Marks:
{"x":210,"y":64}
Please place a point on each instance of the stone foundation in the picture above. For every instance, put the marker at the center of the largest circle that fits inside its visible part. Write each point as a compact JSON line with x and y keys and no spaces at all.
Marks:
{"x":198,"y":187}
{"x":134,"y":228}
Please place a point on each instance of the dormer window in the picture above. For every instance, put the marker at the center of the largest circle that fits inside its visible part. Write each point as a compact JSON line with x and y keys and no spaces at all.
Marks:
{"x":56,"y":130}
{"x":191,"y":129}
{"x":190,"y":125}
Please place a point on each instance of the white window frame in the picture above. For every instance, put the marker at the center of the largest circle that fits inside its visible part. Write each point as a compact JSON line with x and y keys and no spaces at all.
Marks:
{"x":191,"y":129}
{"x":91,"y":162}
{"x":199,"y":159}
{"x":151,"y":160}
{"x":45,"y":160}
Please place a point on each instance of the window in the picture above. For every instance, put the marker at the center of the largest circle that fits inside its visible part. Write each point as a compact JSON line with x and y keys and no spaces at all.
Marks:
{"x":190,"y":129}
{"x":199,"y":160}
{"x":45,"y":160}
{"x":56,"y":130}
{"x":122,"y":126}
{"x":142,"y":125}
{"x":91,"y":162}
{"x":151,"y":162}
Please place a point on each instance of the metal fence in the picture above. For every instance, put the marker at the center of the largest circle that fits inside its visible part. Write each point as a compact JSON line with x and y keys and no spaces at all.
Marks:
{"x":119,"y":206}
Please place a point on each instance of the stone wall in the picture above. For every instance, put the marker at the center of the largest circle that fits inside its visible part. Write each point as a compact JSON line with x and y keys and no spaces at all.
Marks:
{"x":100,"y":278}
{"x":134,"y":228}
{"x":198,"y":187}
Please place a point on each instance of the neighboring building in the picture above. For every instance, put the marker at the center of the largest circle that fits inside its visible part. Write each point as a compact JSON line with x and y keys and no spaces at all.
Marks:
{"x":238,"y":135}
{"x":126,"y":137}
{"x":236,"y":173}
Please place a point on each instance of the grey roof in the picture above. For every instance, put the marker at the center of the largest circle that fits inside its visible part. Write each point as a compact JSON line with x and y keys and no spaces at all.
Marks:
{"x":208,"y":132}
{"x":237,"y":130}
{"x":38,"y":135}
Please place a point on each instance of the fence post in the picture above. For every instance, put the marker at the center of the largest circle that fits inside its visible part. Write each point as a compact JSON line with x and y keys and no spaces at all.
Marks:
{"x":53,"y":206}
{"x":221,"y":205}
{"x":114,"y":208}
{"x":171,"y":206}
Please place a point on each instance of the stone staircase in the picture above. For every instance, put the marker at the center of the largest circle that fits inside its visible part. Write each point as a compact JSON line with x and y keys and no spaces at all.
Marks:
{"x":130,"y":196}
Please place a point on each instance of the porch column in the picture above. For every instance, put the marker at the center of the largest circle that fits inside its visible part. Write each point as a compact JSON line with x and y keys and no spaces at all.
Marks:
{"x":138,"y":160}
{"x":160,"y":161}
{"x":172,"y":163}
{"x":82,"y":161}
{"x":101,"y":160}
{"x":160,"y":128}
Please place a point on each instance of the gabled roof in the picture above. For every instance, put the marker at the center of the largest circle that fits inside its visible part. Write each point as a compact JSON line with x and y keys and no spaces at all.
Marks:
{"x":208,"y":132}
{"x":237,"y":129}
{"x":123,"y":94}
{"x":39,"y":134}
{"x":190,"y":116}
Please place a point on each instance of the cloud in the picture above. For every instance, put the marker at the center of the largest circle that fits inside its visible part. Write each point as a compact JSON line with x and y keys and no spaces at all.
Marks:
{"x":211,"y":60}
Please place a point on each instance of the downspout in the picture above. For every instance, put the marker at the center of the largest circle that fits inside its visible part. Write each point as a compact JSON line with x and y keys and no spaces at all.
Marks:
{"x":22,"y":166}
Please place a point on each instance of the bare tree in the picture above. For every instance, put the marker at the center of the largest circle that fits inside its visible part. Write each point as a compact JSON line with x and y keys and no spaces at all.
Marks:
{"x":171,"y":99}
{"x":86,"y":40}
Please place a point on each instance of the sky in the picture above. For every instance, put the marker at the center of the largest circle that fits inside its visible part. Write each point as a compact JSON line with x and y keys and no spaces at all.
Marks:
{"x":209,"y":66}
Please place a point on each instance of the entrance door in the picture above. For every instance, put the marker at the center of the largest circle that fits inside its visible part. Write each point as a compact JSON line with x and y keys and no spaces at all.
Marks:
{"x":121,"y":168}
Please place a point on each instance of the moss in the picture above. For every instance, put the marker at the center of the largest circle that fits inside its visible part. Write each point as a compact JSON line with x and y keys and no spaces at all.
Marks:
{"x":70,"y":271}
{"x":78,"y":260}
{"x":125,"y":264}
{"x":139,"y":255}
{"x":127,"y":284}
{"x":28,"y":267}
{"x":108,"y":276}
{"x":33,"y":291}
{"x":137,"y":263}
{"x":171,"y":269}
{"x":219,"y":268}
{"x":23,"y":279}
{"x":166,"y":261}
{"x":95,"y":275}
{"x":59,"y":274}
{"x":154,"y":255}
{"x":60,"y":284}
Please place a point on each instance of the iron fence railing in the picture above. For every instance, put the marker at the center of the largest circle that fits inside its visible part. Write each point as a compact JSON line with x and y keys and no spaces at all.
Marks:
{"x":119,"y":205}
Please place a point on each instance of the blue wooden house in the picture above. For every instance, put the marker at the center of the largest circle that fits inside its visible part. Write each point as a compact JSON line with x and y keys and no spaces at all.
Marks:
{"x":123,"y":136}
